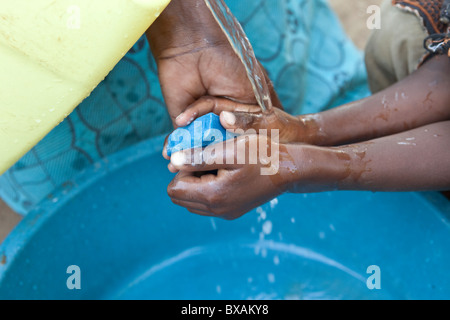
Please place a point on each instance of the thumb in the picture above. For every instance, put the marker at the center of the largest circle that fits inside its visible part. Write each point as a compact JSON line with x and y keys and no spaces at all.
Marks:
{"x":241,"y":120}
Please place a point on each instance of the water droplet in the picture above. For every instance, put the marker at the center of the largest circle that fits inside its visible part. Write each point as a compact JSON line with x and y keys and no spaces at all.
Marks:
{"x":280,"y":236}
{"x":264,"y":252}
{"x":262,"y":214}
{"x":276,"y":260}
{"x":273,"y":203}
{"x":384,"y":102}
{"x":213,"y":224}
{"x":267,"y":227}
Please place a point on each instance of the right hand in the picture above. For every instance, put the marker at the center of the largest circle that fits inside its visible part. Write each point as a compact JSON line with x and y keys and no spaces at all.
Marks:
{"x":238,"y":116}
{"x":195,"y":59}
{"x":245,"y":117}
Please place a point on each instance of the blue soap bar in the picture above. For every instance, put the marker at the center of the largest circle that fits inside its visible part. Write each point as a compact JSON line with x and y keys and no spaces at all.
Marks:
{"x":204,"y":131}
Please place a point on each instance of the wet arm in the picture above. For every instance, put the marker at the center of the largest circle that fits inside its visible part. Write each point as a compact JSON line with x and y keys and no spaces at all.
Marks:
{"x":415,"y":160}
{"x":420,"y":99}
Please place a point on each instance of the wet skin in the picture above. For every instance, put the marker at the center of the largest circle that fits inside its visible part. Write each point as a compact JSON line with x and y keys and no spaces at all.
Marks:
{"x":195,"y":59}
{"x":396,"y":140}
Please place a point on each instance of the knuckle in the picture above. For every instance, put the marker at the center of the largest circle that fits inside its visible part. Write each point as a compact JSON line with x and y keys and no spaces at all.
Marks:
{"x":214,"y":200}
{"x":171,"y":190}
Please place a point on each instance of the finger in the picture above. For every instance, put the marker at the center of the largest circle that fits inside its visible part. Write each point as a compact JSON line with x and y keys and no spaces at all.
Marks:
{"x":190,"y":187}
{"x":199,"y":108}
{"x":218,"y":156}
{"x":201,"y":213}
{"x":197,"y":208}
{"x":241,"y":120}
{"x":193,"y":193}
{"x":215,"y":105}
{"x":164,"y":152}
{"x":172,"y":169}
{"x":187,"y":187}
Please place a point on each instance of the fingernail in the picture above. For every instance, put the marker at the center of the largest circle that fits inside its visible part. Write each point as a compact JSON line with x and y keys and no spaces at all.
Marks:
{"x":178,"y":159}
{"x":179,"y":117}
{"x":229,"y":118}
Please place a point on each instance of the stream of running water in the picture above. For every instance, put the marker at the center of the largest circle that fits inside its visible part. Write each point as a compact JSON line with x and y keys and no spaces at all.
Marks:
{"x":243,"y":48}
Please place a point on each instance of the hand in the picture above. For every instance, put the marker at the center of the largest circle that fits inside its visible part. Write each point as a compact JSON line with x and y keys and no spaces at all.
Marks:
{"x":231,"y":190}
{"x":246,"y":119}
{"x":216,"y":182}
{"x":195,"y":59}
{"x":212,"y":183}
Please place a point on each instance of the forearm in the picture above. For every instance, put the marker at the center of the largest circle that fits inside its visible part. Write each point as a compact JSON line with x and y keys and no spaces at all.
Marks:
{"x":416,"y":160}
{"x":420,"y":99}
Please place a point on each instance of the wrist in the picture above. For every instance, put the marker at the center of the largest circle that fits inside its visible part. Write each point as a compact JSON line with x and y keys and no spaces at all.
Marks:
{"x":184,"y":24}
{"x":312,"y":130}
{"x":307,"y":169}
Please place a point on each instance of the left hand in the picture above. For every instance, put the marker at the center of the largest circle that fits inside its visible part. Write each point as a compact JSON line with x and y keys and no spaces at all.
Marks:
{"x":212,"y":183}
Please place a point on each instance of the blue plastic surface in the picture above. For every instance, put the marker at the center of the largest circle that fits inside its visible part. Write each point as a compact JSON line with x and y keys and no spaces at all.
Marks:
{"x":204,"y":131}
{"x":130,"y":242}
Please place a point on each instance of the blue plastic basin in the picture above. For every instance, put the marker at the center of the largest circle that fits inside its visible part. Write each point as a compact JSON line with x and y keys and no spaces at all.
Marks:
{"x":130,"y":242}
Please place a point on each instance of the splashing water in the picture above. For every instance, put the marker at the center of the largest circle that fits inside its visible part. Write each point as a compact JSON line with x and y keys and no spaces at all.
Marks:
{"x":241,"y":45}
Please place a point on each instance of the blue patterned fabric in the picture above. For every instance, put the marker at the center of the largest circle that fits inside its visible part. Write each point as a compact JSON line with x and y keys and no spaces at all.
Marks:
{"x":312,"y":63}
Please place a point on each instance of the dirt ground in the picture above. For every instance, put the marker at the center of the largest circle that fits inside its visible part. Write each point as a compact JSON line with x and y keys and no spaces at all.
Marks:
{"x":353,"y":16}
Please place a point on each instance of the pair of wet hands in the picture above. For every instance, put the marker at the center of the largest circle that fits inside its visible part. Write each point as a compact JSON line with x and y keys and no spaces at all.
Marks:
{"x":230,"y":178}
